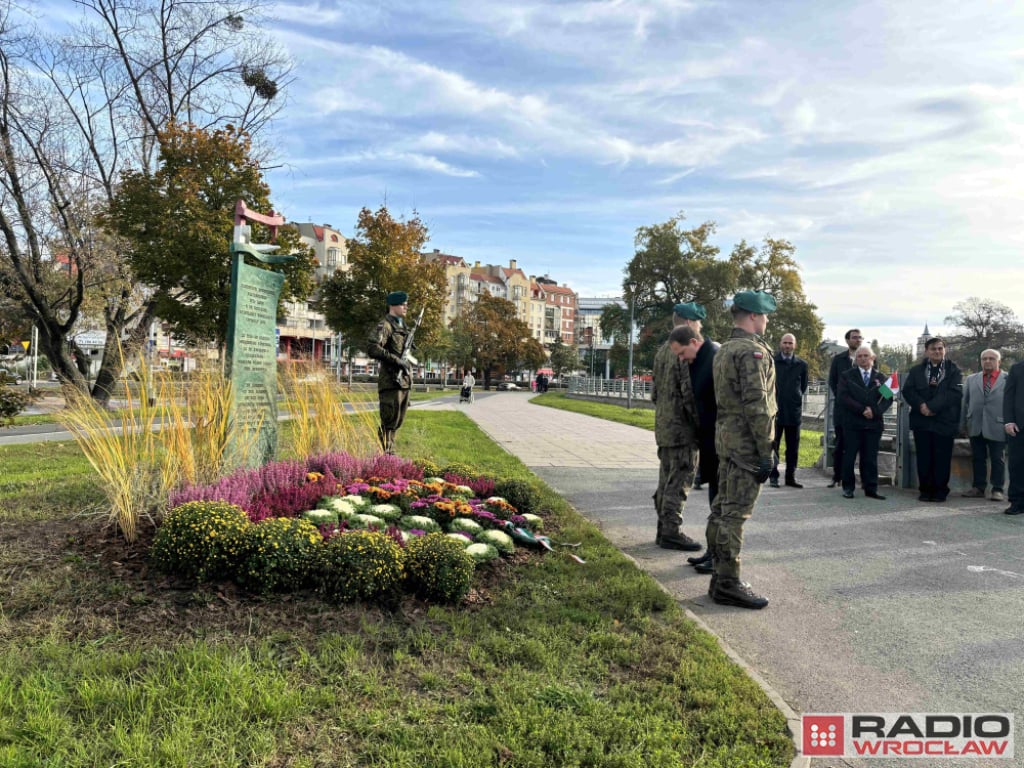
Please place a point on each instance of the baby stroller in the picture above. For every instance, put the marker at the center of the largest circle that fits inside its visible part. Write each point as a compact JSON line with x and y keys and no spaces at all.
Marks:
{"x":466,"y":395}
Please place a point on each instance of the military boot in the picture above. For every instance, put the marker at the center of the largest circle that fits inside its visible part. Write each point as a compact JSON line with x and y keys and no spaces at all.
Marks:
{"x":676,"y":540}
{"x":699,"y":559}
{"x":389,"y":441}
{"x":727,"y":591}
{"x":706,"y":567}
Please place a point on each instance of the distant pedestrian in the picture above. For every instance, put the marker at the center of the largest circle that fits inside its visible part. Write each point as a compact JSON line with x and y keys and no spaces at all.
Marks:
{"x":1013,"y":416}
{"x":790,"y":388}
{"x":744,"y":372}
{"x":864,"y":400}
{"x":675,"y":432}
{"x":981,"y":417}
{"x":841,"y":363}
{"x":933,"y":391}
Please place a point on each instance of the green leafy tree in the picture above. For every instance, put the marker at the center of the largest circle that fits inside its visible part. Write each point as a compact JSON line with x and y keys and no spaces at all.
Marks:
{"x":773,"y":268}
{"x":492,"y":339}
{"x":673,"y":264}
{"x":895,"y":357}
{"x":564,"y":359}
{"x":384,"y":254}
{"x":177,"y":223}
{"x":78,"y":110}
{"x":984,"y":324}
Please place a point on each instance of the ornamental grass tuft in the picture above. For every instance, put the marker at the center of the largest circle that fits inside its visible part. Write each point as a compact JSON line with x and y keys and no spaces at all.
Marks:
{"x":438,"y":568}
{"x":279,"y":554}
{"x":201,"y":540}
{"x":360,"y":565}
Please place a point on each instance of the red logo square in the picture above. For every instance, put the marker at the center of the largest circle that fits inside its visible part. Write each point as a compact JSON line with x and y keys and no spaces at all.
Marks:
{"x":823,"y":735}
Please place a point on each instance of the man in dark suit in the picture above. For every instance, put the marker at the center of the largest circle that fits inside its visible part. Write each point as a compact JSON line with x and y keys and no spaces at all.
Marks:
{"x":790,"y":388}
{"x":864,"y":403}
{"x":702,"y":381}
{"x":1013,"y":418}
{"x":841,"y":363}
{"x":933,"y":391}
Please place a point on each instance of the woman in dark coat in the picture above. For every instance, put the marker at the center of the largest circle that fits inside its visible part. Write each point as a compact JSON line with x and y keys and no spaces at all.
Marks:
{"x":864,"y":404}
{"x":933,"y":390}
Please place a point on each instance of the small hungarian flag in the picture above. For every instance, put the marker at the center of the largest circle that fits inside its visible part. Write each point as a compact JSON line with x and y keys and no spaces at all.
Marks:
{"x":891,"y":386}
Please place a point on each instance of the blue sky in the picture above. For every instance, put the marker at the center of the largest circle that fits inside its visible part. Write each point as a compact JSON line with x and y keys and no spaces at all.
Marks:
{"x":884,"y":139}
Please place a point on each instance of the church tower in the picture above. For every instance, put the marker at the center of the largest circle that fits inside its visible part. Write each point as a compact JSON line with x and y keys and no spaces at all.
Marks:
{"x":919,"y":349}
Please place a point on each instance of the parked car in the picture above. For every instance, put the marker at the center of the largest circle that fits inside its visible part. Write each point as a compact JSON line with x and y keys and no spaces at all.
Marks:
{"x":507,"y":386}
{"x":7,"y":377}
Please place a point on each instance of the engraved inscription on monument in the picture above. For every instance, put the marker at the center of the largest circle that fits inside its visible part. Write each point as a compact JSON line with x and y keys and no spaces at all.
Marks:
{"x":253,"y":361}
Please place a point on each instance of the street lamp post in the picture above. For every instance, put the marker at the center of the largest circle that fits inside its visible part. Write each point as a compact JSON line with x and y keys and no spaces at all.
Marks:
{"x":629,"y":376}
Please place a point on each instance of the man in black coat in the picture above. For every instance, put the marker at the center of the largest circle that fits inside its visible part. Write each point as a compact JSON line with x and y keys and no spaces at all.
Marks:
{"x":790,"y":388}
{"x":864,"y":403}
{"x":702,"y":382}
{"x":1013,"y":419}
{"x":934,"y":390}
{"x":841,"y":363}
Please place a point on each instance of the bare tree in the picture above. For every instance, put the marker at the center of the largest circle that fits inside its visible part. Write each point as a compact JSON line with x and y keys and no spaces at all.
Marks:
{"x":78,"y":110}
{"x":984,"y":324}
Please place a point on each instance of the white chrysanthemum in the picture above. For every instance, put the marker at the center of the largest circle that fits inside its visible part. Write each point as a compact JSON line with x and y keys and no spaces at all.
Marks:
{"x":433,"y":480}
{"x":419,"y":522}
{"x":459,"y":538}
{"x":535,"y":522}
{"x":482,"y":552}
{"x":342,"y":507}
{"x":499,"y":539}
{"x":495,"y":500}
{"x":465,"y":524}
{"x":366,"y":521}
{"x":386,"y":511}
{"x":355,"y":500}
{"x":464,"y":490}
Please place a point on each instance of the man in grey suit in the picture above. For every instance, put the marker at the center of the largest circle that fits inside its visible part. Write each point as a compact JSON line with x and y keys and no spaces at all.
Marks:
{"x":982,"y":419}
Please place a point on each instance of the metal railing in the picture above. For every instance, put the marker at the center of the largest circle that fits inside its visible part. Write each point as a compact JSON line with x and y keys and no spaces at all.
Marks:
{"x":818,"y":412}
{"x":610,"y":388}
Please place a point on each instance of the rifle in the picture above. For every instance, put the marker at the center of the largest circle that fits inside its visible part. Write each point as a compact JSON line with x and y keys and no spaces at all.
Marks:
{"x":407,"y":347}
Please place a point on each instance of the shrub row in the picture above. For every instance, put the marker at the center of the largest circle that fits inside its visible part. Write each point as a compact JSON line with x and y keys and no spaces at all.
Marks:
{"x":208,"y":540}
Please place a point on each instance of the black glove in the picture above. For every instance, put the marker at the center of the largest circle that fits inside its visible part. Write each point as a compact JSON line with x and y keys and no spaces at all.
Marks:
{"x":764,"y":469}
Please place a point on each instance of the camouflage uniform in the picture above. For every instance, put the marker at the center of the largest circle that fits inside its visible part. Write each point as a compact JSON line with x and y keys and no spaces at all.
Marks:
{"x":385,"y":345}
{"x":675,"y":432}
{"x":744,"y":373}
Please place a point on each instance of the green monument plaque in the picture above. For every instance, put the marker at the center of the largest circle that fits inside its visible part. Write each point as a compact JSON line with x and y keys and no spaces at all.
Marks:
{"x":252,"y":344}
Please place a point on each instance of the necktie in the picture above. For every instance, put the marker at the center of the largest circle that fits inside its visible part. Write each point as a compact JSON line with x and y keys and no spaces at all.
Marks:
{"x":988,"y":383}
{"x":867,"y":378}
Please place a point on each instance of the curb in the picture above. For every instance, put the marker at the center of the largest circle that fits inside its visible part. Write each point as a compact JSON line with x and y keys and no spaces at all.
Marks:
{"x":792,"y":718}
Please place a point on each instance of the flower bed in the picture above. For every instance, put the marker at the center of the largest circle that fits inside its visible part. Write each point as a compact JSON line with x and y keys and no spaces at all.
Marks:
{"x":399,"y":529}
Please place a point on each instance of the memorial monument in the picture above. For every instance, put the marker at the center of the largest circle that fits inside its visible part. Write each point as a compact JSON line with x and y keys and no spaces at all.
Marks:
{"x":251,"y":341}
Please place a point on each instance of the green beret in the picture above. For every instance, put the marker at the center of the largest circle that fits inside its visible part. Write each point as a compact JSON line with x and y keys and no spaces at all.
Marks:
{"x":397,"y":297}
{"x":691,"y":310}
{"x":758,"y":302}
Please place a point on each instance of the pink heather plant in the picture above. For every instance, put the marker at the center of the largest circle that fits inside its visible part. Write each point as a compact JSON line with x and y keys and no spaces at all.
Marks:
{"x":389,"y":466}
{"x":342,"y":465}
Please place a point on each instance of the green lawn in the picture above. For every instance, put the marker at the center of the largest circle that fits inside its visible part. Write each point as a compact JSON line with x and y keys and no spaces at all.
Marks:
{"x":549,"y":663}
{"x":810,"y":441}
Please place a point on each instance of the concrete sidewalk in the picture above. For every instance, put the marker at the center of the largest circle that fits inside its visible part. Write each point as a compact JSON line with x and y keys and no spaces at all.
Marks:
{"x":876,"y":606}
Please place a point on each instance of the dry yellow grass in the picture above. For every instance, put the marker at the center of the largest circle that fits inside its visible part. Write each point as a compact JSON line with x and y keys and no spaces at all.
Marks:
{"x":327,"y":416}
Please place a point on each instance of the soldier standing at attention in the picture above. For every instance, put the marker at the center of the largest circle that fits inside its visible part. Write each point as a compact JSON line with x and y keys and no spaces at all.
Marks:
{"x":394,"y":378}
{"x":675,"y":432}
{"x":744,"y":374}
